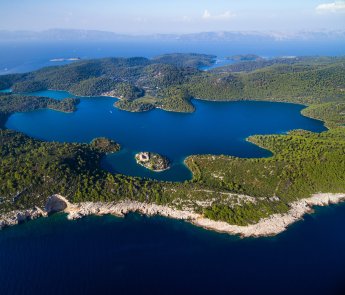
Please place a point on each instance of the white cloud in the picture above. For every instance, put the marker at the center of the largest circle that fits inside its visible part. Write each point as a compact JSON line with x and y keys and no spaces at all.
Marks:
{"x":186,"y":18}
{"x":223,"y":16}
{"x":206,"y":15}
{"x":337,"y":6}
{"x":140,"y":20}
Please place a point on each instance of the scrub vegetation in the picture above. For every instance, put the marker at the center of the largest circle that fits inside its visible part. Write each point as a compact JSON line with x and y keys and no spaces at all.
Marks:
{"x":236,"y":190}
{"x":10,"y":103}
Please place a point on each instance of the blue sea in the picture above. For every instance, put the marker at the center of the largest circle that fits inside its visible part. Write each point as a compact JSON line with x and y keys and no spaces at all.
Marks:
{"x":141,"y":255}
{"x":27,"y":56}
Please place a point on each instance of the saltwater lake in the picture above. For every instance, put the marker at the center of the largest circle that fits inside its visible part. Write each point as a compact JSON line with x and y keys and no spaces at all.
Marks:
{"x":145,"y":255}
{"x":214,"y":128}
{"x":140,"y":255}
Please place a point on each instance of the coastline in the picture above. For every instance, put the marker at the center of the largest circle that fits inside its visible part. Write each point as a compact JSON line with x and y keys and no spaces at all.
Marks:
{"x":145,"y":163}
{"x":302,"y":112}
{"x":153,"y":170}
{"x":270,"y":226}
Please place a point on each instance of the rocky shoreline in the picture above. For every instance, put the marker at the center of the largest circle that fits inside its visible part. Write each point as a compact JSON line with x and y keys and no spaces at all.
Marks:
{"x":19,"y":216}
{"x":152,"y":161}
{"x":270,"y":226}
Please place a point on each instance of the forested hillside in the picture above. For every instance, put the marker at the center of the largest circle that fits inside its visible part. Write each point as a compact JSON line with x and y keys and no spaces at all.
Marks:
{"x":10,"y":103}
{"x":235,"y":190}
{"x":303,"y":163}
{"x":305,"y":80}
{"x":32,"y":170}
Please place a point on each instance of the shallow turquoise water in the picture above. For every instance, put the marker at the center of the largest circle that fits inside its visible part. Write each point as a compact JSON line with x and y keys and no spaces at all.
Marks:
{"x":214,"y":128}
{"x":5,"y":91}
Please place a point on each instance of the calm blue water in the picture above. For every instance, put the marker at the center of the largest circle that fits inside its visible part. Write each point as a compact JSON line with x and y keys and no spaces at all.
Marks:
{"x":219,"y":62}
{"x":215,"y":128}
{"x":138,"y":255}
{"x":27,"y":56}
{"x":5,"y":91}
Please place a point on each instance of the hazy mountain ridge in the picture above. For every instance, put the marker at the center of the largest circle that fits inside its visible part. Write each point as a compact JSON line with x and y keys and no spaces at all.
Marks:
{"x":94,"y":35}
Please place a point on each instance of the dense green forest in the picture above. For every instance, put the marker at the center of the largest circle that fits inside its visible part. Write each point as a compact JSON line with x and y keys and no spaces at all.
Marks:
{"x":303,"y":163}
{"x":32,"y":170}
{"x":137,"y":105}
{"x":299,"y":83}
{"x":333,"y":113}
{"x":245,"y":57}
{"x":305,"y":80}
{"x":125,"y":78}
{"x":80,"y":77}
{"x":192,"y":60}
{"x":179,"y":101}
{"x":10,"y":103}
{"x":239,"y":191}
{"x":105,"y":145}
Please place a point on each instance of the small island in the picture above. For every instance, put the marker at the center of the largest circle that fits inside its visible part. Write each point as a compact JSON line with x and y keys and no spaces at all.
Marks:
{"x":152,"y":161}
{"x":65,"y":59}
{"x":245,"y":57}
{"x":105,"y":145}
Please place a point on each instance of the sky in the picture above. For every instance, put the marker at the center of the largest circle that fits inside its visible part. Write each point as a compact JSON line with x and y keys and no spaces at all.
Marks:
{"x":173,"y":16}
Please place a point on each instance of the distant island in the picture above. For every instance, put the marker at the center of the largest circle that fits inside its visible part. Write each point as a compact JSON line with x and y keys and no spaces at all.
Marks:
{"x":152,"y":161}
{"x":245,"y":57}
{"x":65,"y":59}
{"x":171,"y":81}
{"x":226,"y":36}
